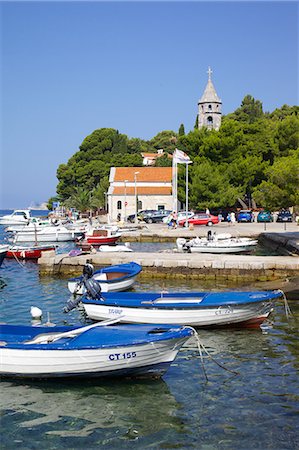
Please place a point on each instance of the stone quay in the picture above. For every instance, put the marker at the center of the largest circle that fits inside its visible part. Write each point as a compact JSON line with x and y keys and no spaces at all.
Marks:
{"x":197,"y":266}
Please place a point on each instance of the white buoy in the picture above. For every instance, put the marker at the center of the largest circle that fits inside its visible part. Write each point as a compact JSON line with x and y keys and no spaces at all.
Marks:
{"x":36,"y":313}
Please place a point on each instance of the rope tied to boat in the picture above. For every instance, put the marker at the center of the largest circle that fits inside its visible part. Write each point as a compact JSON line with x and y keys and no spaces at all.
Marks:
{"x":286,"y":305}
{"x":201,"y":349}
{"x":17,"y":259}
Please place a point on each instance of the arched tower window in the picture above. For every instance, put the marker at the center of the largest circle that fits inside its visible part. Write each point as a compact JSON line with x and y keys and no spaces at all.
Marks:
{"x":210,"y":120}
{"x":119,"y":204}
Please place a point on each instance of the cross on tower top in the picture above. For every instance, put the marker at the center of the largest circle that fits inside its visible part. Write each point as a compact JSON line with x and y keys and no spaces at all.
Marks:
{"x":209,"y":72}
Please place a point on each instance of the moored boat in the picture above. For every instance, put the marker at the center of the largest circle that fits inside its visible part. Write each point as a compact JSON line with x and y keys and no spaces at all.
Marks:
{"x":22,"y":252}
{"x":214,"y":243}
{"x":17,"y":217}
{"x":184,"y":308}
{"x":47,"y":234}
{"x":115,"y":278}
{"x":90,"y":351}
{"x":102,"y":236}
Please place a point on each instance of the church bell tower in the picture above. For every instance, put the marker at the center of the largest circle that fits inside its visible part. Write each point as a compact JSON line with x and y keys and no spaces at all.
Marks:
{"x":209,"y":107}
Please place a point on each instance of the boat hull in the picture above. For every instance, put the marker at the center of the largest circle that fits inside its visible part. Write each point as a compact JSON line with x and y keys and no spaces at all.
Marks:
{"x":46,"y":237}
{"x":102,"y":240}
{"x":137,"y":358}
{"x":27,"y":253}
{"x":115,"y":286}
{"x":222,"y":248}
{"x":218,"y":316}
{"x":198,"y":309}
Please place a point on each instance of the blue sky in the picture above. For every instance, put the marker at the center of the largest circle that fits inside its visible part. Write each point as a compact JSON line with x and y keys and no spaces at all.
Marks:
{"x":69,"y":68}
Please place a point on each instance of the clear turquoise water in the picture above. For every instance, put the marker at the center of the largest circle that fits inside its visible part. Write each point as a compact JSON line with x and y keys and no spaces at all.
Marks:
{"x":256,"y":409}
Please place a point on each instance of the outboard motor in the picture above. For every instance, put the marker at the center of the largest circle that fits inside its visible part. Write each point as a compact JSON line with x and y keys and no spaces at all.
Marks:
{"x":93,"y":288}
{"x":71,"y":304}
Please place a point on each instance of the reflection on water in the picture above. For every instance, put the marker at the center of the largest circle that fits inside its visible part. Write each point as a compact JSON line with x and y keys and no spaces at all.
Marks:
{"x":256,"y":409}
{"x":148,"y":405}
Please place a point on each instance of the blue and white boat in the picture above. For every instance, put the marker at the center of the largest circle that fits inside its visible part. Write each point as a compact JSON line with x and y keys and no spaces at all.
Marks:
{"x":90,"y":351}
{"x":183,"y":308}
{"x":118,"y":277}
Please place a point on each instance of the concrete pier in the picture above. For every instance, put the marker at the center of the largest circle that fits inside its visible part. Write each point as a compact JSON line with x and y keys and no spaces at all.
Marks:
{"x":193,"y":266}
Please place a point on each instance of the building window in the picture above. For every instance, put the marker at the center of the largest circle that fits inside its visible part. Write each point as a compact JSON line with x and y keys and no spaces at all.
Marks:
{"x":119,"y":204}
{"x":210,"y":106}
{"x":139,"y":205}
{"x":161,"y":207}
{"x":210,"y":119}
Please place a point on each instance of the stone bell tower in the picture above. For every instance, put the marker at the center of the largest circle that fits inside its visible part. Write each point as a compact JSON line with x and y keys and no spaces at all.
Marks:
{"x":209,"y":107}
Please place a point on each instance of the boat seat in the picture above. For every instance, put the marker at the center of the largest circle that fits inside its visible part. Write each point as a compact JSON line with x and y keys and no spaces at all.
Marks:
{"x":101,"y":277}
{"x":114,"y":275}
{"x":100,"y":233}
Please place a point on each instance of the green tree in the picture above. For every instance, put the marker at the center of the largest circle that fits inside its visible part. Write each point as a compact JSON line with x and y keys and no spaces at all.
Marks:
{"x":281,"y":189}
{"x":163,"y":161}
{"x":165,"y":140}
{"x":80,"y":199}
{"x":182,"y":130}
{"x":249,"y":111}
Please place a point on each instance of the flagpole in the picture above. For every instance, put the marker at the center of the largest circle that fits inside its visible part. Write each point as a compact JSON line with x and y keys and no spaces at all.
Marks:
{"x":174,"y":184}
{"x":187,"y":193}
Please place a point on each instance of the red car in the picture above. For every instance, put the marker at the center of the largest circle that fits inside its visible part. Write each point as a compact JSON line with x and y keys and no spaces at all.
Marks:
{"x":201,"y":219}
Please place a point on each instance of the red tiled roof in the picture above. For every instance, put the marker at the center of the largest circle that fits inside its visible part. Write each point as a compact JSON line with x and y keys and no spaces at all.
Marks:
{"x":148,"y":174}
{"x":142,"y":190}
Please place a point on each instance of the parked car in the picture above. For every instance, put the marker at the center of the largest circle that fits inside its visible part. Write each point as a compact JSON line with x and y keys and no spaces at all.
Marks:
{"x":264,"y":216}
{"x":157,"y":216}
{"x":200,"y":219}
{"x":147,"y":213}
{"x":181,"y":216}
{"x":245,"y":215}
{"x":284,"y":216}
{"x":140,"y":215}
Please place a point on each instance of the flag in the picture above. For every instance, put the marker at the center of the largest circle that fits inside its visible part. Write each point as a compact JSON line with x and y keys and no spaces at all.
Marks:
{"x":180,"y":157}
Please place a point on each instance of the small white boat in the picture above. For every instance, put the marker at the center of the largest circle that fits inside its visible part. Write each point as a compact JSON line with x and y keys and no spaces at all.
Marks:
{"x":115,"y":248}
{"x":3,"y":252}
{"x":90,"y":351}
{"x":116,"y":278}
{"x":17,"y":217}
{"x":214,"y":243}
{"x":47,"y":234}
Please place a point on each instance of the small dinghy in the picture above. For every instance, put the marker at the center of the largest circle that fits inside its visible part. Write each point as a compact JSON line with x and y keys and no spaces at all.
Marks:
{"x":102,"y":236}
{"x":32,"y":253}
{"x":95,"y":350}
{"x":119,"y":277}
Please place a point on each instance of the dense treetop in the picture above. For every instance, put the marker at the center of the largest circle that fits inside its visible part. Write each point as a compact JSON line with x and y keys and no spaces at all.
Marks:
{"x":253,"y":153}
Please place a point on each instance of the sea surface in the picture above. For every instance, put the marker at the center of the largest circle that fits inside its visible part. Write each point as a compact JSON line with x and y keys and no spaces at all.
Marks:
{"x":257,"y":408}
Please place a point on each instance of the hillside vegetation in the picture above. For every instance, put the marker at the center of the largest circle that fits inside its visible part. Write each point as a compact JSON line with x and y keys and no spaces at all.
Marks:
{"x":253,"y":155}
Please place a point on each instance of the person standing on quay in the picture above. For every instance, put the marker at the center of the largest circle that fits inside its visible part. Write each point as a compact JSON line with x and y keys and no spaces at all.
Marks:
{"x":233,"y":218}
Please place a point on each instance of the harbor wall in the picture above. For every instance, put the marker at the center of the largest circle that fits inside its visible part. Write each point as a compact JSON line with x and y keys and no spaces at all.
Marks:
{"x":179,"y":265}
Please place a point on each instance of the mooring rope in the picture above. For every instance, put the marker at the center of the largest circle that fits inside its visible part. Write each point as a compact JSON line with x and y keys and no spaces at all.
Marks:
{"x":286,"y":305}
{"x":201,"y":347}
{"x":17,"y":259}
